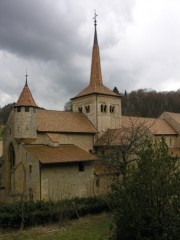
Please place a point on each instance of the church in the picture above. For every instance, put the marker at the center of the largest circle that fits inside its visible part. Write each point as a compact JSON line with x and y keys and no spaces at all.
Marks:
{"x":50,"y":155}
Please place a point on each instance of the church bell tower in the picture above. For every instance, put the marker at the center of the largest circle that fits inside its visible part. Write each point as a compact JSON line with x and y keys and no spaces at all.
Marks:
{"x":100,"y":104}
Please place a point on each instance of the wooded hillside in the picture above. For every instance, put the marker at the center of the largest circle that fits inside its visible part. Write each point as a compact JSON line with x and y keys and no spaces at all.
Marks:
{"x":4,"y":113}
{"x":149,"y":103}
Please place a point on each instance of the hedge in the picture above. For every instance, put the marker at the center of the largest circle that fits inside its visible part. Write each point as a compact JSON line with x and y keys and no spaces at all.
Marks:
{"x":37,"y":213}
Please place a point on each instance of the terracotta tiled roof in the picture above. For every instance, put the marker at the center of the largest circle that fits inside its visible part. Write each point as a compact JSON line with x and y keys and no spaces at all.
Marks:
{"x":96,"y":89}
{"x":56,"y":121}
{"x":156,"y":126}
{"x":63,"y":154}
{"x":26,"y":98}
{"x":175,"y":116}
{"x":131,"y":126}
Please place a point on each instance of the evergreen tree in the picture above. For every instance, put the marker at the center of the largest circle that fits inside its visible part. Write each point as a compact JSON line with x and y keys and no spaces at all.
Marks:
{"x":148,"y":203}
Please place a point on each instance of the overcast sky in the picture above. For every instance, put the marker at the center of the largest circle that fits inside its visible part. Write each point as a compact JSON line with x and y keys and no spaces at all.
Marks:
{"x":139,"y":44}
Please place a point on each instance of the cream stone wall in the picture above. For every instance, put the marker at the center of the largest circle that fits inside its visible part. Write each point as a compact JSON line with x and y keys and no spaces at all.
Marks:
{"x":84,"y":141}
{"x":82,"y":102}
{"x":66,"y":181}
{"x":101,"y":120}
{"x":32,"y":178}
{"x":25,"y":123}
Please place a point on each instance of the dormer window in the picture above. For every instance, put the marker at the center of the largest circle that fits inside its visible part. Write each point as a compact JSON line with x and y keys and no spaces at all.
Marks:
{"x":111,"y":109}
{"x":103,"y":108}
{"x":80,"y":109}
{"x":87,"y":108}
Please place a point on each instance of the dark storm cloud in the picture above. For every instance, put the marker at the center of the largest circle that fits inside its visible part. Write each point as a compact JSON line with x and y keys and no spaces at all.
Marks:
{"x":53,"y":40}
{"x":38,"y":29}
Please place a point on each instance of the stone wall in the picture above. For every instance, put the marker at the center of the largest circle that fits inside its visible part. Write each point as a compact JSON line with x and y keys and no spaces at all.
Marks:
{"x":104,"y":111}
{"x":65,"y":181}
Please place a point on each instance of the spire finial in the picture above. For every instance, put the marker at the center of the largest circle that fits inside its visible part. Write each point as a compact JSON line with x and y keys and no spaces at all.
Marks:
{"x":95,"y":16}
{"x":26,"y":77}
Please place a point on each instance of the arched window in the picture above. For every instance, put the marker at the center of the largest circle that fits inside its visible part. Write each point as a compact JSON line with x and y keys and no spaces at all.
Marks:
{"x":103,"y":108}
{"x":87,"y":108}
{"x":12,"y":156}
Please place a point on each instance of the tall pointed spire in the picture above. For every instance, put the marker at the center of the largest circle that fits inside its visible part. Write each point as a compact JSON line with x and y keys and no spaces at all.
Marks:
{"x":96,"y":84}
{"x":96,"y":76}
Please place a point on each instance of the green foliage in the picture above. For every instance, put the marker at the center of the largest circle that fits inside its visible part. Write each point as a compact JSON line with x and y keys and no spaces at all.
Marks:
{"x":36,"y":213}
{"x":148,"y":203}
{"x":149,"y":103}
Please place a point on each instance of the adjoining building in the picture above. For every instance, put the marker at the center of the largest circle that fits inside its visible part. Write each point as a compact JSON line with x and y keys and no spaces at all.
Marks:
{"x":49,"y":155}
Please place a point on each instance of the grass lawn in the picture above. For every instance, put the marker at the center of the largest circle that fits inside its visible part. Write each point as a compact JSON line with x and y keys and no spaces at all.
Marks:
{"x":87,"y":228}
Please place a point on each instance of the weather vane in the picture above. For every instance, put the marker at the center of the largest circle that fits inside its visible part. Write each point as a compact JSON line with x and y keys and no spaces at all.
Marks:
{"x":95,"y":16}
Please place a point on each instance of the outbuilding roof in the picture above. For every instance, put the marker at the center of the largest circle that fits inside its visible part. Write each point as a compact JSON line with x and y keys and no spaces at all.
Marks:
{"x":63,"y":154}
{"x":131,"y":126}
{"x":155,"y":125}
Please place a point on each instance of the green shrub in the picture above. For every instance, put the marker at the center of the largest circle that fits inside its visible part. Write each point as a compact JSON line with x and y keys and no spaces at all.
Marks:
{"x":40,"y":212}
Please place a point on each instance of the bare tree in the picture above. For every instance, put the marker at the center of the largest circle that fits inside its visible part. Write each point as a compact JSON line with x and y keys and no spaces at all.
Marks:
{"x":118,"y":147}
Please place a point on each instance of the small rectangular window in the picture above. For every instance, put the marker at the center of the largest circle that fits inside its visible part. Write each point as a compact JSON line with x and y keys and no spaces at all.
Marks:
{"x":30,"y":168}
{"x":26,"y":109}
{"x":18,"y":109}
{"x":81,"y":167}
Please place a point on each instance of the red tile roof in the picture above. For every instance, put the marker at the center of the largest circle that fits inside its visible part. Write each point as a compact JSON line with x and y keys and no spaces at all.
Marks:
{"x":26,"y":98}
{"x":62,"y":154}
{"x":56,"y":121}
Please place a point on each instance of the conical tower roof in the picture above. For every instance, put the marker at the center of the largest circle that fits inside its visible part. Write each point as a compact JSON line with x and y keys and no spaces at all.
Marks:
{"x":26,"y":98}
{"x":96,"y":83}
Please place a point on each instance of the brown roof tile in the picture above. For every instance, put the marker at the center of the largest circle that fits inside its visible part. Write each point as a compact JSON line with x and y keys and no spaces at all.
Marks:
{"x":26,"y":98}
{"x":56,"y":121}
{"x":175,"y":116}
{"x":129,"y":127}
{"x":63,"y":154}
{"x":156,"y":126}
{"x":96,"y":89}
